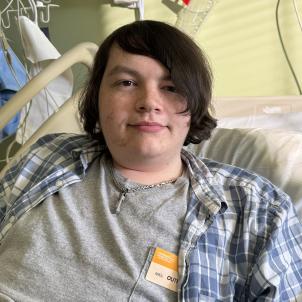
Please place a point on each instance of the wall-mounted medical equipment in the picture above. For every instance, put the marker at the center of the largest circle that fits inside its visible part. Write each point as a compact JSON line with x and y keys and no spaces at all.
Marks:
{"x":193,"y":14}
{"x":30,"y":20}
{"x":38,"y":11}
{"x":134,"y":4}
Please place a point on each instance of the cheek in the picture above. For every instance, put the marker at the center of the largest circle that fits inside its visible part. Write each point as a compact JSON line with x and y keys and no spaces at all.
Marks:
{"x":106,"y":110}
{"x":106,"y":119}
{"x":185,"y":125}
{"x":185,"y":122}
{"x":181,"y":126}
{"x":112,"y":122}
{"x":188,"y":120}
{"x":113,"y":128}
{"x":111,"y":113}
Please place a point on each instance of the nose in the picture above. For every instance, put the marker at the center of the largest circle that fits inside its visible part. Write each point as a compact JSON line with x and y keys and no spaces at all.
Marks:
{"x":149,"y":99}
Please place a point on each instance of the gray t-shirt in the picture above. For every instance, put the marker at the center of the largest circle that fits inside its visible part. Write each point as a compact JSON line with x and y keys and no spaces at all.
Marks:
{"x":73,"y":247}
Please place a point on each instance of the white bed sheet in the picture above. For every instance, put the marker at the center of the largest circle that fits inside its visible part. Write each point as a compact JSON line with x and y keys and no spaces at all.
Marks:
{"x":287,"y":121}
{"x":273,"y":153}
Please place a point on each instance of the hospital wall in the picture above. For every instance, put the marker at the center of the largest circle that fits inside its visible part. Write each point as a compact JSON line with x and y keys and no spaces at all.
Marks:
{"x":239,"y":37}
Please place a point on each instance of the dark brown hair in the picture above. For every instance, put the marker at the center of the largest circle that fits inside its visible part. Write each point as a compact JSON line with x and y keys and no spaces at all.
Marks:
{"x":189,"y":69}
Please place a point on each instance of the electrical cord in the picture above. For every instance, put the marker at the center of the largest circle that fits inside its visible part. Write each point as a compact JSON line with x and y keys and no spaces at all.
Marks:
{"x":284,"y":49}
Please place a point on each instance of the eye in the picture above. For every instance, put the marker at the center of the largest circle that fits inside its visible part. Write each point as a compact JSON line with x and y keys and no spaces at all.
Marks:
{"x":170,"y":88}
{"x":126,"y":83}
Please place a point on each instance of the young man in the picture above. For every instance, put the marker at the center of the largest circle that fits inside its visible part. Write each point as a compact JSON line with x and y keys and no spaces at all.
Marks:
{"x":96,"y":217}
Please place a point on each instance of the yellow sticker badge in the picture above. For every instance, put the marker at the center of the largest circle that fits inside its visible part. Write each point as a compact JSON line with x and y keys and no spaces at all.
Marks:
{"x":163,"y":269}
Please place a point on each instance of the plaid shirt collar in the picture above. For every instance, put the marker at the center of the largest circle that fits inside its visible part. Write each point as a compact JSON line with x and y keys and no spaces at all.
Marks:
{"x":59,"y":160}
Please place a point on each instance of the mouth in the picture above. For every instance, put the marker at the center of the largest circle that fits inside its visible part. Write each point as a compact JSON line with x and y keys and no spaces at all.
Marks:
{"x":151,"y":127}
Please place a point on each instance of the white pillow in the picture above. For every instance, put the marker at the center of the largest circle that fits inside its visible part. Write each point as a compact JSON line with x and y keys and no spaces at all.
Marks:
{"x":285,"y":121}
{"x":272,"y":153}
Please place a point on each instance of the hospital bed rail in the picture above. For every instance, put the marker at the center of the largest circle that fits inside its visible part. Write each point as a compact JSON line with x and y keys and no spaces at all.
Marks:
{"x":82,"y":53}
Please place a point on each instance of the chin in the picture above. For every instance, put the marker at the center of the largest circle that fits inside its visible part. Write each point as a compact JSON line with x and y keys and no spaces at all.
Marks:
{"x":147,"y":152}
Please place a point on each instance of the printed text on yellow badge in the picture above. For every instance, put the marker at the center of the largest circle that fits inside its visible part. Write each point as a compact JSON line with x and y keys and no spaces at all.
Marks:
{"x":163,"y":269}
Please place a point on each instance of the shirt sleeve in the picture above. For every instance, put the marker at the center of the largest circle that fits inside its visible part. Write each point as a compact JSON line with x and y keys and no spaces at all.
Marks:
{"x":6,"y":184}
{"x":23,"y":171}
{"x":277,"y":275}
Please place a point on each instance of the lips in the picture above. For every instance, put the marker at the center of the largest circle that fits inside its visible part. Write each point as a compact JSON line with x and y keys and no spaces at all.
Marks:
{"x":148,"y":126}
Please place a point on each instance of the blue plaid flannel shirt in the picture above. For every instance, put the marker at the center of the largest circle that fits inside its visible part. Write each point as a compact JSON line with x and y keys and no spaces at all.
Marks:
{"x":241,"y":238}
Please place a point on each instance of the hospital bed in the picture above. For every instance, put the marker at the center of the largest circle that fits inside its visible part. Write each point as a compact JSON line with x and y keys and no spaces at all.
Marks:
{"x":262,"y":134}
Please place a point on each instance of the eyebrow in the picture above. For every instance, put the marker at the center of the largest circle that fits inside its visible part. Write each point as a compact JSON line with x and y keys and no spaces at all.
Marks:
{"x":122,"y":69}
{"x":125,"y":69}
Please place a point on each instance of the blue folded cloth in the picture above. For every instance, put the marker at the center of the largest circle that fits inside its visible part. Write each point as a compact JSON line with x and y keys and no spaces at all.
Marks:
{"x":12,"y":126}
{"x":12,"y":78}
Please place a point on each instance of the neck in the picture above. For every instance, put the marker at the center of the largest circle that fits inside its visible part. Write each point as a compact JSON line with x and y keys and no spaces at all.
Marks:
{"x":150,"y":175}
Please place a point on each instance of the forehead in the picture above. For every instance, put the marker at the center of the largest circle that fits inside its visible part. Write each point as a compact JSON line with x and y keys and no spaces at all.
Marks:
{"x":120,"y":60}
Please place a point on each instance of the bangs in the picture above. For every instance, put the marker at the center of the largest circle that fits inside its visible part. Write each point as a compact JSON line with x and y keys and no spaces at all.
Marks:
{"x":146,"y":40}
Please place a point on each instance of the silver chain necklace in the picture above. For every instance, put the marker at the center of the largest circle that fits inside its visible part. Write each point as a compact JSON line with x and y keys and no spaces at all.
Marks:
{"x":125,"y":190}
